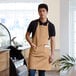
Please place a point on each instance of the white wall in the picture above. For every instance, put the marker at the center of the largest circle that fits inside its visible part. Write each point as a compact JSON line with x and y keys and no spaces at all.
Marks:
{"x":54,"y":17}
{"x":64,"y":26}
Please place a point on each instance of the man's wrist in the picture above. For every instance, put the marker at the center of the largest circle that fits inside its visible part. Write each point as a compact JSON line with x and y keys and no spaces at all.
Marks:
{"x":30,"y":43}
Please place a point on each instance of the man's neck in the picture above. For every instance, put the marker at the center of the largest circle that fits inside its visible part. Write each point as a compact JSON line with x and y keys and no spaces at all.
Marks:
{"x":43,"y":20}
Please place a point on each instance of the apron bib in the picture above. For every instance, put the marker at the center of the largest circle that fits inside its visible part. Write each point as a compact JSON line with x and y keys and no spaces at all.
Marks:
{"x":39,"y":56}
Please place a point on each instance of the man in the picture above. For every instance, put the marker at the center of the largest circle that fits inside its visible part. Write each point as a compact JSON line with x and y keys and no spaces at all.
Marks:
{"x":40,"y":55}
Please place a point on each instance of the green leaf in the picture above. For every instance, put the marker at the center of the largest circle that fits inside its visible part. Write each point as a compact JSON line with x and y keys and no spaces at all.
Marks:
{"x":65,"y":57}
{"x":71,"y":58}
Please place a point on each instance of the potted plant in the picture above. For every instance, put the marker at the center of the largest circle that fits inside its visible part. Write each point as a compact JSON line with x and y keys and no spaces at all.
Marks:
{"x":66,"y":63}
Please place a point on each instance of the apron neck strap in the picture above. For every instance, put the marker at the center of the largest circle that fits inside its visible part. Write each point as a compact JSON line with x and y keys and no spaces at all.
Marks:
{"x":46,"y":25}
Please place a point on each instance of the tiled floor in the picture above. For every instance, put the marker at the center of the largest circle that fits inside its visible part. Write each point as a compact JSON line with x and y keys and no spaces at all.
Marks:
{"x":50,"y":74}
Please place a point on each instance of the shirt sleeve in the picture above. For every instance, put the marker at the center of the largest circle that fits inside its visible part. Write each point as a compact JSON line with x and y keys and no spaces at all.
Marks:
{"x":30,"y":27}
{"x":52,"y":30}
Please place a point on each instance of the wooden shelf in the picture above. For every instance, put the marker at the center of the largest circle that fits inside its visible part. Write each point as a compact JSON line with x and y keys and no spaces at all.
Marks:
{"x":4,"y":63}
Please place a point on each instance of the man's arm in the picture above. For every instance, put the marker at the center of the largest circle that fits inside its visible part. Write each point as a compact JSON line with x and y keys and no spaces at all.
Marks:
{"x":29,"y":40}
{"x":52,"y":44}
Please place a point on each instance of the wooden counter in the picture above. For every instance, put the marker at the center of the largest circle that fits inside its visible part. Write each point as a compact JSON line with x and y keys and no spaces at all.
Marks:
{"x":4,"y":62}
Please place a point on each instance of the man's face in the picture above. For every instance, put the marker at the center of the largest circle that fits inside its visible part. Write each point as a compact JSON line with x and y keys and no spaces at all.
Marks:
{"x":43,"y":13}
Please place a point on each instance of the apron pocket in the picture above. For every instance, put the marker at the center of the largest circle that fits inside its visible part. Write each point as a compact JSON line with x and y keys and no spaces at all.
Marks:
{"x":47,"y":51}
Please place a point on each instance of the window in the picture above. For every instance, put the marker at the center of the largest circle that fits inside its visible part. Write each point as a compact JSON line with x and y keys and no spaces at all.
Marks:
{"x":73,"y":32}
{"x":16,"y":17}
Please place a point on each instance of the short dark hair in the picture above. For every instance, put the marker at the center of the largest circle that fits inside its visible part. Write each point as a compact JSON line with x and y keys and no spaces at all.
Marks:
{"x":43,"y":6}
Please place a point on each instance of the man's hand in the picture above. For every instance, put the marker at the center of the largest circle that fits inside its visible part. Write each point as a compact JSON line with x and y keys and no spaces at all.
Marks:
{"x":33,"y":45}
{"x":51,"y":58}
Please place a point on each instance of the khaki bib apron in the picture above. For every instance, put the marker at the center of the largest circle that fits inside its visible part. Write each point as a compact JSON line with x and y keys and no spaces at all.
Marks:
{"x":39,"y":56}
